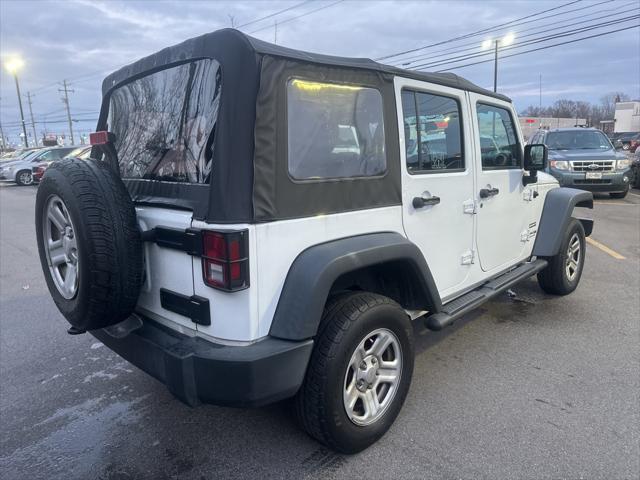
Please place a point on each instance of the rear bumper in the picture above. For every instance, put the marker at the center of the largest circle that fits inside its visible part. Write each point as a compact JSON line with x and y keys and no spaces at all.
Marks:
{"x":197,"y":371}
{"x":610,"y":182}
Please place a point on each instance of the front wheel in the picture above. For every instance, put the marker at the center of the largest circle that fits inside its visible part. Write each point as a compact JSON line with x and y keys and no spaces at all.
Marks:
{"x":24,"y":178}
{"x":359,"y":372}
{"x":563,"y":273}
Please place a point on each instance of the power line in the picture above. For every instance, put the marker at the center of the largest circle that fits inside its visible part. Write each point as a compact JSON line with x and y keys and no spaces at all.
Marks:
{"x":300,"y":16}
{"x":542,"y":48}
{"x":497,"y":27}
{"x":272,"y":14}
{"x":568,"y":33}
{"x":474,"y":45}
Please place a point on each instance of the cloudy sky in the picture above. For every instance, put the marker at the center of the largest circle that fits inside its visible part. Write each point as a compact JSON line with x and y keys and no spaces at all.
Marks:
{"x":83,"y":40}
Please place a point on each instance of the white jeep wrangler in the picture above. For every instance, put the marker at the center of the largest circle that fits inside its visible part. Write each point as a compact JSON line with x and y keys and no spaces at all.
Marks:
{"x":261,"y":223}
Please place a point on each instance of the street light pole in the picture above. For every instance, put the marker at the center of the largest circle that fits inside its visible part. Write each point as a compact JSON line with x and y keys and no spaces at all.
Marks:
{"x":12,"y":67}
{"x":24,"y":127}
{"x":507,"y":40}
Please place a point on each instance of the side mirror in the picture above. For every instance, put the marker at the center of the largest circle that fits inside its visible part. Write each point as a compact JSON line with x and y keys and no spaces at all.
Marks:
{"x":535,"y":158}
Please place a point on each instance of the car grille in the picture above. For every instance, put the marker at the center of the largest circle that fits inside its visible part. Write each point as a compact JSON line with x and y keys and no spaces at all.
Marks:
{"x":593,"y":165}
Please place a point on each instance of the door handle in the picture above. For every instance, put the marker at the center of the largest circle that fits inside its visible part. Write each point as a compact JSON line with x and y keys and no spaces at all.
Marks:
{"x":488,"y":192}
{"x":419,"y":202}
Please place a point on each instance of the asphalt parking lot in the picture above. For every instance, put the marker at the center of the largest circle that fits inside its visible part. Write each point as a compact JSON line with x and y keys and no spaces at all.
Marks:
{"x":532,"y":387}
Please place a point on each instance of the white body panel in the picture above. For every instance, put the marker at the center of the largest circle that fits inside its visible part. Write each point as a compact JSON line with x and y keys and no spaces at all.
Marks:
{"x":443,"y":232}
{"x":279,"y":243}
{"x":165,"y":268}
{"x":502,"y":220}
{"x":234,"y":315}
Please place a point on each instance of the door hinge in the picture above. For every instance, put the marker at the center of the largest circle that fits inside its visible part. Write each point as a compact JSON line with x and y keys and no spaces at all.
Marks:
{"x":469,"y":206}
{"x":468,"y":257}
{"x":194,"y":307}
{"x":527,"y":194}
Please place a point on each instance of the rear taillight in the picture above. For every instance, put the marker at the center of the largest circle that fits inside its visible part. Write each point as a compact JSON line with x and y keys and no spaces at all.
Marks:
{"x":225,"y":259}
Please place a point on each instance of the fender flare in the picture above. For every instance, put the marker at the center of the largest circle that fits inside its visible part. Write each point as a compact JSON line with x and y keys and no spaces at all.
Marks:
{"x":313,"y":272}
{"x":556,"y":214}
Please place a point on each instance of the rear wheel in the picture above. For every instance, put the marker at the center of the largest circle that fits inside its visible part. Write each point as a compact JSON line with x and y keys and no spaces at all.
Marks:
{"x":359,"y":373}
{"x":24,"y":178}
{"x":563,"y":273}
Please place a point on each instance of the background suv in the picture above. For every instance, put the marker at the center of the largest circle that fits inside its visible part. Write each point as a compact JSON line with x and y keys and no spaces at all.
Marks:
{"x":585,"y":158}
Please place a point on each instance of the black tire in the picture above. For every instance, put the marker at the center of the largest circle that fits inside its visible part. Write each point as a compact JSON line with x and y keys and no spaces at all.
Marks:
{"x":554,"y":278}
{"x":24,"y":178}
{"x":619,"y":194}
{"x":346,"y":321}
{"x":109,"y":245}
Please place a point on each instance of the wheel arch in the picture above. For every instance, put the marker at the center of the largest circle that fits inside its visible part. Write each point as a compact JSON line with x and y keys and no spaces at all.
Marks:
{"x":385,"y":263}
{"x":558,"y":210}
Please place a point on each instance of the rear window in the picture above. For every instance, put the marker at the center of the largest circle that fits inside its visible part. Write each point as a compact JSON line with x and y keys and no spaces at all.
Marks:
{"x":164,"y":123}
{"x":334,"y":130}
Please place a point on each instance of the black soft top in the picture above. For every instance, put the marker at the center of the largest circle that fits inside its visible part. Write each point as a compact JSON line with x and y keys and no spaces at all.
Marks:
{"x":239,"y":44}
{"x":249,"y":181}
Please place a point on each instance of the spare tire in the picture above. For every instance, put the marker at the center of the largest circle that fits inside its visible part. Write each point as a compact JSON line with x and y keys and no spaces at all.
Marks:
{"x":89,"y":243}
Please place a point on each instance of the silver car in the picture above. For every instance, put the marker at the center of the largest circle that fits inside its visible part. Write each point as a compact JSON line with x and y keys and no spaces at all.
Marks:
{"x":20,"y":170}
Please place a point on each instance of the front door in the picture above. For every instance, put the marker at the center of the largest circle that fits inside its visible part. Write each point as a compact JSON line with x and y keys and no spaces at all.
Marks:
{"x":437,"y":179}
{"x":502,"y":230}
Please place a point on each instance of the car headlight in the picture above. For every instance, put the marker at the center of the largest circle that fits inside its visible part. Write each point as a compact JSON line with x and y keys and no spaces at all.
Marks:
{"x":560,"y":164}
{"x":622,"y":164}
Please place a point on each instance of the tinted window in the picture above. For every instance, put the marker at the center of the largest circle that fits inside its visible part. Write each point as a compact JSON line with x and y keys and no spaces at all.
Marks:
{"x":334,"y":130}
{"x":578,"y":140}
{"x":164,"y":122}
{"x":432,"y":129}
{"x":499,"y":145}
{"x":54,"y":154}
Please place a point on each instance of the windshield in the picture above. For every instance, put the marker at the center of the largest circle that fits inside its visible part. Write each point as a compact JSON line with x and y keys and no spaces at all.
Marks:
{"x":578,"y":140}
{"x":164,"y":122}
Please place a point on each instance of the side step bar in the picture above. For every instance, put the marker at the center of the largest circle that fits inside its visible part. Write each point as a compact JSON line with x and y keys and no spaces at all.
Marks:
{"x":469,"y":301}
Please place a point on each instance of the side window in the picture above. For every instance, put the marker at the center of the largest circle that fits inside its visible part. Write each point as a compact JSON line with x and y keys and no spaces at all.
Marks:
{"x":433,"y":138}
{"x":498,"y":139}
{"x":45,"y":156}
{"x":334,"y":131}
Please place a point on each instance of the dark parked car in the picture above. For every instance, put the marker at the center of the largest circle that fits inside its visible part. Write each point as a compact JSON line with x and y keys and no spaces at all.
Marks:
{"x":627,"y":138}
{"x":634,"y":143}
{"x":635,"y":169}
{"x":585,"y":158}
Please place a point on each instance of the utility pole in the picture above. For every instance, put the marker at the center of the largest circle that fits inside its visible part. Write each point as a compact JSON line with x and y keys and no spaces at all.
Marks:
{"x":33,"y":123}
{"x":65,"y":100}
{"x":275,"y":32}
{"x":2,"y":144}
{"x":495,"y":69}
{"x":540,"y":104}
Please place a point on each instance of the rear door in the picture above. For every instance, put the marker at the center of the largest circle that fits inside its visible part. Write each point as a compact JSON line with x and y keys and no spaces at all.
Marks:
{"x":437,"y":179}
{"x":503,"y":201}
{"x":165,"y":267}
{"x":162,"y":124}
